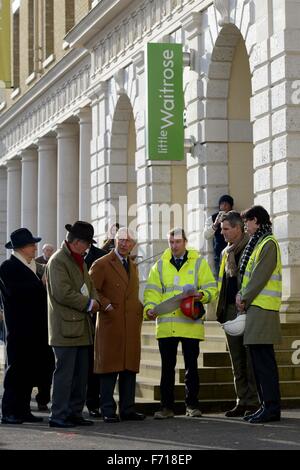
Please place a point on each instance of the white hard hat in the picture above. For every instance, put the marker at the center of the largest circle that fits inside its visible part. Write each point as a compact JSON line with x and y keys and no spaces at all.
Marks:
{"x":235,"y":327}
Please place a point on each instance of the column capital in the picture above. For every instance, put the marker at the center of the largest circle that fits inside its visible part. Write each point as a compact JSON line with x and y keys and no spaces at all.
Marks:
{"x":46,"y":143}
{"x":13,"y":164}
{"x":66,"y":130}
{"x":84,"y":115}
{"x":191,"y":24}
{"x":97,"y":91}
{"x":29,"y":154}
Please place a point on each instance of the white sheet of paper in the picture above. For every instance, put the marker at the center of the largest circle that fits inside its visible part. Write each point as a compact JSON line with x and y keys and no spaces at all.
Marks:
{"x":84,"y":290}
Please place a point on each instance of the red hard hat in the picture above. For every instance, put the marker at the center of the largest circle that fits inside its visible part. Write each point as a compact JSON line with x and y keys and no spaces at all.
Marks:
{"x":191,"y":308}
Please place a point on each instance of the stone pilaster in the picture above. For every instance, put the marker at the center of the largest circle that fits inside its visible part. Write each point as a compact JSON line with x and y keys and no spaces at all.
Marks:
{"x":47,"y":189}
{"x":29,"y":186}
{"x":98,"y":151}
{"x":284,"y":125}
{"x":67,"y":177}
{"x":13,"y":195}
{"x":85,"y":136}
{"x":3,"y":213}
{"x":153,"y":182}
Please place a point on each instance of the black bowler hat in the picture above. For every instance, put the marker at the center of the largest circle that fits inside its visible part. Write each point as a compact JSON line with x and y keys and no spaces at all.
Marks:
{"x":20,"y":238}
{"x":82,"y":231}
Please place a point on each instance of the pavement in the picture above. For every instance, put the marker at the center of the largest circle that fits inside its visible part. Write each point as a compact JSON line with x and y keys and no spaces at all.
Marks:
{"x":210,"y":432}
{"x":213,"y":431}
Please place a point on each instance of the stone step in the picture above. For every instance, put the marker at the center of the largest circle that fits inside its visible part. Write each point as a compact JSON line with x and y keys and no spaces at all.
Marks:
{"x":288,"y":342}
{"x":290,"y":329}
{"x":152,"y":370}
{"x":224,"y":374}
{"x":219,"y":343}
{"x":213,"y":343}
{"x":147,"y":388}
{"x":207,"y":406}
{"x":214,"y":358}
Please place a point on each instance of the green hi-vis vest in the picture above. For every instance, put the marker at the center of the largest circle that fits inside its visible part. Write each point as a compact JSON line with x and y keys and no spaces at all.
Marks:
{"x":165,"y":281}
{"x":270,"y":297}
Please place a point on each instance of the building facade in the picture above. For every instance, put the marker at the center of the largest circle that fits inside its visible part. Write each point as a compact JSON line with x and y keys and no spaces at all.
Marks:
{"x":73,"y":131}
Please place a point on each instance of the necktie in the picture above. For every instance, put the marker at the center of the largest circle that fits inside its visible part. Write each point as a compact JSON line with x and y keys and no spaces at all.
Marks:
{"x":178,"y":262}
{"x":126,"y":265}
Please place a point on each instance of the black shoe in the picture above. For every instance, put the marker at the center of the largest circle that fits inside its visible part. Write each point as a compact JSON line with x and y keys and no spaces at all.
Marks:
{"x":133,"y":416}
{"x":80,"y":421}
{"x":248,"y":417}
{"x":11,"y":419}
{"x":266,"y":416}
{"x":30,"y":418}
{"x":61,"y":423}
{"x":251,"y":409}
{"x":237,"y":411}
{"x":111,"y":419}
{"x":42,"y":407}
{"x":94,"y":413}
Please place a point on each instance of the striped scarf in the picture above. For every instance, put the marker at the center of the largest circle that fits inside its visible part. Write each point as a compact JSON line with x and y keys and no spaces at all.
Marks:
{"x":263,"y":231}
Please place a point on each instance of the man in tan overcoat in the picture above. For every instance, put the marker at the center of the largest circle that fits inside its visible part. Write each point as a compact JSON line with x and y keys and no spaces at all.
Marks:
{"x":118,"y":328}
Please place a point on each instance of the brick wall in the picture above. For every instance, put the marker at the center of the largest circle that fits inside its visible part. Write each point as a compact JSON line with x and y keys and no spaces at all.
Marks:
{"x":46,"y":41}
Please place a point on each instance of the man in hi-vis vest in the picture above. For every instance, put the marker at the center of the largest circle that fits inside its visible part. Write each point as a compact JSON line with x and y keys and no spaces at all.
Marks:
{"x":260,"y":298}
{"x":179,"y":266}
{"x":232,"y":226}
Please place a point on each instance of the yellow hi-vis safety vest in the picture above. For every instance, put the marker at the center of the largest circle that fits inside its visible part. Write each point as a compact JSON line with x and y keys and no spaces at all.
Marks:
{"x":222,"y":270}
{"x":164,"y":282}
{"x":270,"y":297}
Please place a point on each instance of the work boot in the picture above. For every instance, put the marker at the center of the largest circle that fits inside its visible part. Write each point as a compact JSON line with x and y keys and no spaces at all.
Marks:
{"x":164,"y":413}
{"x":193,"y":412}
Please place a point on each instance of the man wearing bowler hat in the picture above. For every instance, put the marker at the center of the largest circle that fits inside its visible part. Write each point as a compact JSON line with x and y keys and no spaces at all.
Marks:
{"x":71,"y":303}
{"x":25,"y":312}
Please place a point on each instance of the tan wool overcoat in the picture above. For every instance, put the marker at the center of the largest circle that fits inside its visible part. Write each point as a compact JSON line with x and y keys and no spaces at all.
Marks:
{"x":118,"y":332}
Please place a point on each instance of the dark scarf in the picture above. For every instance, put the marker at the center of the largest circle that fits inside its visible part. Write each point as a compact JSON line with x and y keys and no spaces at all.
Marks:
{"x":263,"y":231}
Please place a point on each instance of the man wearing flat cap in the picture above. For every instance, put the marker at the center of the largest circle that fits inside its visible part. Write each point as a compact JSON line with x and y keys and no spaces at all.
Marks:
{"x":25,"y":311}
{"x":212,"y":229}
{"x":72,"y":301}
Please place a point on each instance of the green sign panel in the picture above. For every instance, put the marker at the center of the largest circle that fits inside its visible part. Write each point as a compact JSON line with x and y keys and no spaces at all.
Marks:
{"x":165,"y":132}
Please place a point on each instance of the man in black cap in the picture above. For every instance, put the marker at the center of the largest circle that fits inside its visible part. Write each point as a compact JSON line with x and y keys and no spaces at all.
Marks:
{"x":72,"y":301}
{"x":25,"y":313}
{"x":212,"y":229}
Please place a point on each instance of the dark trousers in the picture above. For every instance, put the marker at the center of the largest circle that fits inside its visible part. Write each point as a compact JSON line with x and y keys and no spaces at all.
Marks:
{"x":93,"y":388}
{"x":44,"y":377}
{"x":243,"y":374}
{"x":266,"y":375}
{"x":127,"y":380}
{"x":69,"y":381}
{"x":168,"y":352}
{"x":17,"y":386}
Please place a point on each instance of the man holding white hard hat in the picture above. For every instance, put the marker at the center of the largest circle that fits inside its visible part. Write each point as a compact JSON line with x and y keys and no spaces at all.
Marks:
{"x":232,"y":227}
